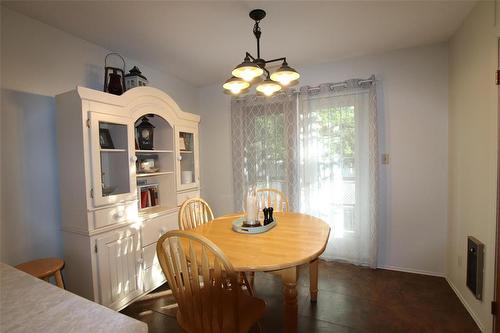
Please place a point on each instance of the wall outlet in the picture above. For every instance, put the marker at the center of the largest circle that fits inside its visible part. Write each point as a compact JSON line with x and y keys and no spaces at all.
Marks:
{"x":385,"y":158}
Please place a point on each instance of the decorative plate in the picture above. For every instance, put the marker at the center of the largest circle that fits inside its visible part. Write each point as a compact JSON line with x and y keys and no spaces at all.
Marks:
{"x":238,"y":227}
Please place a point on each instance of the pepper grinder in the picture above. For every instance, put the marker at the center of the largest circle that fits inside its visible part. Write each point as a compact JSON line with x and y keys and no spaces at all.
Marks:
{"x":266,"y":215}
{"x":270,"y":219}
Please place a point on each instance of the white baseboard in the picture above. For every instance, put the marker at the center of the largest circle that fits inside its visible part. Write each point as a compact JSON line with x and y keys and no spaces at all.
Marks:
{"x":411,"y":270}
{"x":466,"y":305}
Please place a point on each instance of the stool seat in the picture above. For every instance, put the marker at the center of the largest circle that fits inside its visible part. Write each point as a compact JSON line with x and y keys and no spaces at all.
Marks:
{"x":44,"y":268}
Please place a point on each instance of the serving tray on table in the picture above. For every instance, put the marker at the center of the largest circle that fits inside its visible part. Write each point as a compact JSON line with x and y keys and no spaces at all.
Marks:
{"x":238,"y":227}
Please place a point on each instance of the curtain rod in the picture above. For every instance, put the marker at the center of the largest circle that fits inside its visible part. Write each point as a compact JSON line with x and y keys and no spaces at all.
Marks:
{"x":370,"y":80}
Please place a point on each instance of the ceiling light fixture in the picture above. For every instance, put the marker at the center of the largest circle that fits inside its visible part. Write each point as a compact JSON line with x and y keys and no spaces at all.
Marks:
{"x":252,"y":68}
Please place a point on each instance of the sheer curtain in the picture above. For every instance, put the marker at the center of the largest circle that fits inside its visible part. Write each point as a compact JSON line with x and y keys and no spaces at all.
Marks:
{"x":264,"y":145}
{"x":338,"y":167}
{"x":318,"y":146}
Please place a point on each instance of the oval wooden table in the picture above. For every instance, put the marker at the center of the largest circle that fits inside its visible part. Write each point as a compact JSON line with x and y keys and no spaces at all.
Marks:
{"x":297,"y":239}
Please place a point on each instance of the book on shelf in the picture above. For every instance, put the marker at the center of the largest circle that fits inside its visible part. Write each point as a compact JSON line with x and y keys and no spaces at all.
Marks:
{"x":149,"y":196}
{"x":144,"y":199}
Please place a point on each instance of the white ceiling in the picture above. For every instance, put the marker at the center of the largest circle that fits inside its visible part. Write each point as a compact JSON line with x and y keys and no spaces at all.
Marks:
{"x":202,"y":41}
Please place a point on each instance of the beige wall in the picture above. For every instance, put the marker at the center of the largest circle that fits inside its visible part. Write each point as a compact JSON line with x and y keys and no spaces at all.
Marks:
{"x":473,"y":153}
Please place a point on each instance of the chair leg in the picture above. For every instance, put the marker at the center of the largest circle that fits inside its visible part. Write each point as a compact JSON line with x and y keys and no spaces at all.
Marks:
{"x":259,"y":326}
{"x":252,"y":278}
{"x":247,"y":284}
{"x":59,"y":280}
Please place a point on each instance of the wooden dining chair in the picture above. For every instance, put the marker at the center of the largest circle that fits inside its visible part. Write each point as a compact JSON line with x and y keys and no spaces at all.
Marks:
{"x":205,"y":285}
{"x":194,"y":212}
{"x":270,"y":197}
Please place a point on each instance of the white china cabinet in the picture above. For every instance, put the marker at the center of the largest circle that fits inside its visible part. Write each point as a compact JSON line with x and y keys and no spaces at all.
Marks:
{"x":119,"y":195}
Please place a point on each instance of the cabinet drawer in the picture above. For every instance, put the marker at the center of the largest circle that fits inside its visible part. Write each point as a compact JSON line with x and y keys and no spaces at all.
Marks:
{"x":154,"y":228}
{"x":117,"y":214}
{"x":181,"y":197}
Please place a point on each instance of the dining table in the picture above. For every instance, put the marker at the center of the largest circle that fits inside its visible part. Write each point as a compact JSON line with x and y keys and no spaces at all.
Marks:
{"x":296,"y":239}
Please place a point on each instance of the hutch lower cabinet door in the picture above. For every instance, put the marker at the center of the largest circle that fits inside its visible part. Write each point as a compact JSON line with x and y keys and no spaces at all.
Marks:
{"x":119,"y":262}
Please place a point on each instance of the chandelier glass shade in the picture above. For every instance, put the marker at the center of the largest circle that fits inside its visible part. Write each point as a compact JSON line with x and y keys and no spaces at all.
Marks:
{"x":285,"y":75}
{"x":253,"y":69}
{"x":235,"y":85}
{"x":268,"y":87}
{"x":247,"y":70}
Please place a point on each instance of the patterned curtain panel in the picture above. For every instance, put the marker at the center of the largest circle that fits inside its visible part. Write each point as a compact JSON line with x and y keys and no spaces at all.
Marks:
{"x":264,"y":135}
{"x":338,"y":166}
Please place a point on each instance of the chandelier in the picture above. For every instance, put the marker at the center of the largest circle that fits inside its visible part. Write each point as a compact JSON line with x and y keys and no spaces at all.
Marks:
{"x":253,"y":70}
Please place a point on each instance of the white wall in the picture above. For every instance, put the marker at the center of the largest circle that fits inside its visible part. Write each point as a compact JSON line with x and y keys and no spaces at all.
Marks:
{"x":473,"y":141}
{"x":38,"y":62}
{"x":413,"y":113}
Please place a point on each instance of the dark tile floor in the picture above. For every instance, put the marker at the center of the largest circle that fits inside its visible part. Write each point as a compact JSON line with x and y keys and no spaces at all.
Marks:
{"x":351,"y":299}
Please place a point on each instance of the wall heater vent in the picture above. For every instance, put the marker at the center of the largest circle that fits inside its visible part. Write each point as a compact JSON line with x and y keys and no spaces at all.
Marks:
{"x":475,"y":259}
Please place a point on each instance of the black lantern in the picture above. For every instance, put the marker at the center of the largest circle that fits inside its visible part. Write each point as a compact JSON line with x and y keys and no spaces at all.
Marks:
{"x":145,"y":134}
{"x":114,"y":78}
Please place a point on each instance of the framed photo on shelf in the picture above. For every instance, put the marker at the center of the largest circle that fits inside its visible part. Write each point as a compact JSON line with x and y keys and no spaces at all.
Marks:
{"x":182,"y":143}
{"x":105,"y":139}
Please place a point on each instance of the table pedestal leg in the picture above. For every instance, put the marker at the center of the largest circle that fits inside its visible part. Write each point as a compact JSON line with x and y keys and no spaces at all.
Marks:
{"x":289,"y":278}
{"x":313,"y":280}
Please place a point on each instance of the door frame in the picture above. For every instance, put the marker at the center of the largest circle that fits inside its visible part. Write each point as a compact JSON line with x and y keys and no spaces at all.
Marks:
{"x":495,"y":306}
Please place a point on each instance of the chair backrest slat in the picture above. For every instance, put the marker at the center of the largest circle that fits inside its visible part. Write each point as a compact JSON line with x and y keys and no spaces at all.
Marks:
{"x":194,"y":212}
{"x":202,"y":281}
{"x":269,"y":197}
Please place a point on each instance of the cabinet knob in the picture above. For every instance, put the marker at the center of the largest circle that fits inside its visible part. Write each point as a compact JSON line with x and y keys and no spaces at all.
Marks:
{"x":133,"y":158}
{"x":118,"y":215}
{"x":179,"y":158}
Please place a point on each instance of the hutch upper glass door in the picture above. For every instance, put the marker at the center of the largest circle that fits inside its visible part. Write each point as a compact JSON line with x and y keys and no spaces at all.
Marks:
{"x":113,"y":162}
{"x":187,"y":166}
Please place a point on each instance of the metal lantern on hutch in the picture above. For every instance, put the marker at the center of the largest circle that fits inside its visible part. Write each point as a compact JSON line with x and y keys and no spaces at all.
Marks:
{"x":253,"y":68}
{"x":114,"y":77}
{"x":134,"y":78}
{"x":145,"y":131}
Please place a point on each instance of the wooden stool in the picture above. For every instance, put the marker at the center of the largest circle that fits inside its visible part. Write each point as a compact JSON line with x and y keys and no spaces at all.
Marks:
{"x":44,"y":268}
